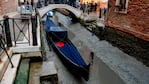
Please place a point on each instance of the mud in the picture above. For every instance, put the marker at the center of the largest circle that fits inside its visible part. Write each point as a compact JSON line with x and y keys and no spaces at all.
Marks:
{"x":126,"y":42}
{"x":129,"y":44}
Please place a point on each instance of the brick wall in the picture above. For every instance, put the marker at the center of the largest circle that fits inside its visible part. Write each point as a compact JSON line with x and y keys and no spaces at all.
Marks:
{"x":135,"y":22}
{"x":0,"y":8}
{"x":7,"y":6}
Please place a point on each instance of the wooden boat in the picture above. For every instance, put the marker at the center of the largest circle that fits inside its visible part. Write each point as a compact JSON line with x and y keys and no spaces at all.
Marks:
{"x":66,"y":51}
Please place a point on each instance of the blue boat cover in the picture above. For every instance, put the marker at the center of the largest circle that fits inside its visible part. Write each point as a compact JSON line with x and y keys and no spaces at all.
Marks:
{"x":68,"y":49}
{"x":54,"y":29}
{"x":72,"y":53}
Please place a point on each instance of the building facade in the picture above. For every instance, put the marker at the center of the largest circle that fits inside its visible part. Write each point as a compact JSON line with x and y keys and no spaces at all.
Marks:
{"x":130,"y":16}
{"x":7,"y":6}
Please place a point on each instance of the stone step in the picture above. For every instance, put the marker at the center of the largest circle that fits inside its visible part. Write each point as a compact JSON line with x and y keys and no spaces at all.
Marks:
{"x":10,"y":73}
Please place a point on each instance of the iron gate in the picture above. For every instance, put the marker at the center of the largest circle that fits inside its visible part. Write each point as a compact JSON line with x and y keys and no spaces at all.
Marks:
{"x":15,"y":31}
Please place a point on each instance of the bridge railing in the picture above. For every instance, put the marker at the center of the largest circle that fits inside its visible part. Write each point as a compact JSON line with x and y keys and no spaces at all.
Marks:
{"x":42,"y":11}
{"x":5,"y":42}
{"x":20,"y":30}
{"x":15,"y":31}
{"x":11,"y":30}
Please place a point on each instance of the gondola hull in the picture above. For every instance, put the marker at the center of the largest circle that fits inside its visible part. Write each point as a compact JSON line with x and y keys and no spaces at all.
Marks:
{"x":66,"y":51}
{"x":76,"y":70}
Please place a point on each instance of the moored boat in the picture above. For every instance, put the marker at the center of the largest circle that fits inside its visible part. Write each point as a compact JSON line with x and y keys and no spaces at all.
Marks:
{"x":65,"y":49}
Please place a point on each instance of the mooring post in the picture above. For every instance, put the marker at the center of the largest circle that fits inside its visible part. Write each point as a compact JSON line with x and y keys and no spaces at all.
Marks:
{"x":7,"y":31}
{"x":34,"y":30}
{"x":91,"y":57}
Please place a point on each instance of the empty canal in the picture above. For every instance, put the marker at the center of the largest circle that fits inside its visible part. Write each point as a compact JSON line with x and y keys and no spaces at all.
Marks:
{"x":110,"y":65}
{"x":100,"y":73}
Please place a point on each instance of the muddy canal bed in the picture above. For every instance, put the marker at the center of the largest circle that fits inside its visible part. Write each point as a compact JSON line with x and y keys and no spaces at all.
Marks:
{"x":97,"y":75}
{"x":107,"y":64}
{"x":129,"y":44}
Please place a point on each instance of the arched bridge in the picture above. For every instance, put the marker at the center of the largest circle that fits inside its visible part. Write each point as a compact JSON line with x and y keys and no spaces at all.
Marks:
{"x":44,"y":10}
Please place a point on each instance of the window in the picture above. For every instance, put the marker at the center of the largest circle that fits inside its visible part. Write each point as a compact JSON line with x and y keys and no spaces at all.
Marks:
{"x":121,"y":6}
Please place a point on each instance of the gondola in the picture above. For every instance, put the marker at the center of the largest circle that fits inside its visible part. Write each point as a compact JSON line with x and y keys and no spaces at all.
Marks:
{"x":66,"y":51}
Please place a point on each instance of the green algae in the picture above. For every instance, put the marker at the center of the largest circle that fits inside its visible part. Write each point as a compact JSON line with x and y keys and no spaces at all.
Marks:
{"x":23,"y":72}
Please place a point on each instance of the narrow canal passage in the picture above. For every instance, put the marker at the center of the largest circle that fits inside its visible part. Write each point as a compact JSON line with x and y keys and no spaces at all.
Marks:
{"x":110,"y":65}
{"x":99,"y":72}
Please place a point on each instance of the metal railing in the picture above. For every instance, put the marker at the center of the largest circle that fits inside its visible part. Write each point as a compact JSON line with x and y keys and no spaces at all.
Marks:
{"x":21,"y":29}
{"x":11,"y":30}
{"x":18,"y":29}
{"x":2,"y":46}
{"x":2,"y":33}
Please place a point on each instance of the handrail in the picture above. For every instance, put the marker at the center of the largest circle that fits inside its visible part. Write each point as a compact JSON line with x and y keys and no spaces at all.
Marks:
{"x":9,"y":27}
{"x":20,"y":18}
{"x":18,"y":29}
{"x":21,"y":29}
{"x":2,"y":46}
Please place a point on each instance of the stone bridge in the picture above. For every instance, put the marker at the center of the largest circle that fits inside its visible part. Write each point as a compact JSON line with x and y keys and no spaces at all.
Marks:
{"x":44,"y":10}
